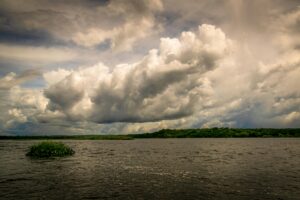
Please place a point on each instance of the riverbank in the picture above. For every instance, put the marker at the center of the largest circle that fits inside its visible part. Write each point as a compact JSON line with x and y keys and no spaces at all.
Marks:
{"x":175,"y":133}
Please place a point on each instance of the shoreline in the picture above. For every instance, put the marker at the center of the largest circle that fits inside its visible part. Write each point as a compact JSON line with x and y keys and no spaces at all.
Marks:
{"x":175,"y":133}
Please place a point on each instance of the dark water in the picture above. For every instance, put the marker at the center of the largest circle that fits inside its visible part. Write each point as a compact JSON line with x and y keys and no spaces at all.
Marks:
{"x":156,"y":169}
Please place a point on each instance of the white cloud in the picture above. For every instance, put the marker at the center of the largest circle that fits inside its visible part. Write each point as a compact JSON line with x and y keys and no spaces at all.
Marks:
{"x":165,"y":84}
{"x":15,"y":116}
{"x":291,"y":117}
{"x":25,"y":98}
{"x":92,"y":37}
{"x":52,"y":77}
{"x":121,"y":38}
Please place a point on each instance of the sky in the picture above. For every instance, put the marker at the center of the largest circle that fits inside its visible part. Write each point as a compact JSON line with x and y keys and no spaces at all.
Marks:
{"x":135,"y":66}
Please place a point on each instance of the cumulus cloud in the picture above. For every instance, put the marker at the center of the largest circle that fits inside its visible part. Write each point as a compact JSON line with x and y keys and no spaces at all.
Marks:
{"x":52,"y":77}
{"x":165,"y":84}
{"x":16,"y":116}
{"x":20,"y":105}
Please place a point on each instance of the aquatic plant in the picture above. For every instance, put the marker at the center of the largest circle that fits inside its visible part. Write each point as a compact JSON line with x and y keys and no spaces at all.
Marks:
{"x":48,"y":149}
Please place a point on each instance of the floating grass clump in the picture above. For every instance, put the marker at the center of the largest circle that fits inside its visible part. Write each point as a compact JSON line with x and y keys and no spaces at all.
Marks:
{"x":49,"y":149}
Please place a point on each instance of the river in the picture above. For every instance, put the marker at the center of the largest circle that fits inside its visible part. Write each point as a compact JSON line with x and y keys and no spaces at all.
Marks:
{"x":219,"y":168}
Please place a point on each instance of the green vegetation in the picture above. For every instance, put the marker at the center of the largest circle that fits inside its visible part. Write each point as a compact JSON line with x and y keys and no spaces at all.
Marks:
{"x":50,"y":149}
{"x":178,"y":133}
{"x":220,"y":133}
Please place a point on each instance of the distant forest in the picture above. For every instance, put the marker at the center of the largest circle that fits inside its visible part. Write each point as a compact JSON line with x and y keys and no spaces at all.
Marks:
{"x":179,"y":133}
{"x":220,"y":133}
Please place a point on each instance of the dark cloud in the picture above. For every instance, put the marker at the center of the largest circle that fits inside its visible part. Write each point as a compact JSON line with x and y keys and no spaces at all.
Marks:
{"x":32,"y":38}
{"x":65,"y":94}
{"x":85,"y":23}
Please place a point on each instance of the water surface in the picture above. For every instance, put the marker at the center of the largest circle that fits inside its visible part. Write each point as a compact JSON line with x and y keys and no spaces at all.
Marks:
{"x":231,"y":168}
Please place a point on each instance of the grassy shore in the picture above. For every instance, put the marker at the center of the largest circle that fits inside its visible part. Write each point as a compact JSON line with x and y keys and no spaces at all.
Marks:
{"x":178,"y":133}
